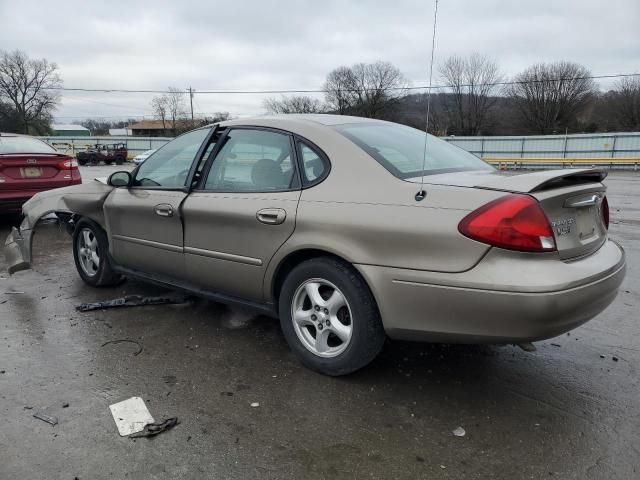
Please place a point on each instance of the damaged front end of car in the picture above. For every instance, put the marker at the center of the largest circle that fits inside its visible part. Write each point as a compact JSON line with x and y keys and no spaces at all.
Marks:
{"x":17,"y":248}
{"x":84,"y":200}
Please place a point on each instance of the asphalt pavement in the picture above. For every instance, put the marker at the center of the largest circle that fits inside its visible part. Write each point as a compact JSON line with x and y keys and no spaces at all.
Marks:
{"x":569,"y":410}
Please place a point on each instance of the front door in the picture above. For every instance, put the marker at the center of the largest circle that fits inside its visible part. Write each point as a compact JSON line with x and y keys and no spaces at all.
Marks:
{"x":242,"y":212}
{"x":144,"y":221}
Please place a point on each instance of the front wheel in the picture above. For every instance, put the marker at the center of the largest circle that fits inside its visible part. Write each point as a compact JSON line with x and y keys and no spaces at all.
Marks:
{"x":90,"y":252}
{"x":329,"y":317}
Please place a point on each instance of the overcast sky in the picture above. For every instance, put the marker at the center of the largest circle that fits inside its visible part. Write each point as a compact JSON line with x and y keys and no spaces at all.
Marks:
{"x":262,"y":44}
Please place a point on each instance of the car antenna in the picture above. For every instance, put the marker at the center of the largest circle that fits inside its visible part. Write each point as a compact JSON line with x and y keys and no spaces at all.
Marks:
{"x":421,"y":193}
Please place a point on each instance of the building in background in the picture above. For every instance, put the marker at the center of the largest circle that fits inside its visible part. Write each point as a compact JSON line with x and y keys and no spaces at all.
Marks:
{"x":156,"y":128}
{"x":66,"y":130}
{"x":120,"y":132}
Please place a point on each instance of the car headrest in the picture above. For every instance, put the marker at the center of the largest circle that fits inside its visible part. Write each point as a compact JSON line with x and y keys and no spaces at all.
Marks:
{"x":267,"y":173}
{"x":317,"y":167}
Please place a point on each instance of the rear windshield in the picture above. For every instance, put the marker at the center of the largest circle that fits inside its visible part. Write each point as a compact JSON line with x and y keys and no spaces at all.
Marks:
{"x":23,"y":145}
{"x":400,"y":149}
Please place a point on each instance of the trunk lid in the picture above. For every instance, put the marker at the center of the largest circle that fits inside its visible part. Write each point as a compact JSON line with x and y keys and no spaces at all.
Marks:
{"x":32,"y":171}
{"x":575,"y":214}
{"x":572,"y":199}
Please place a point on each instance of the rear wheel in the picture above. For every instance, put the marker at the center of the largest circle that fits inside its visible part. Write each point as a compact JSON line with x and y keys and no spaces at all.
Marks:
{"x":329,"y":317}
{"x":119,"y":160}
{"x":94,"y":160}
{"x":90,"y":252}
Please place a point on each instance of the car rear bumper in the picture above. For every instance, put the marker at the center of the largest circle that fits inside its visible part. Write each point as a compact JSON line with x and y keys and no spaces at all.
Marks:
{"x":12,"y":206}
{"x":508,"y":297}
{"x":11,"y":201}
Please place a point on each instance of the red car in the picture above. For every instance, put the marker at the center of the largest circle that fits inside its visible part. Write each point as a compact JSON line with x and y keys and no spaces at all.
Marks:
{"x":29,"y":166}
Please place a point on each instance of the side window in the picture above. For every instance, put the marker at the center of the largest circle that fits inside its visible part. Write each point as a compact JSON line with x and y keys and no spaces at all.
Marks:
{"x":314,"y":166}
{"x":169,"y":166}
{"x":253,"y":161}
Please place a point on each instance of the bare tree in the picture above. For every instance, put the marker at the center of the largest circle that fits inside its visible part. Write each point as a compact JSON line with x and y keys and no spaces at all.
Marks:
{"x":472,"y":82}
{"x":215,"y":118}
{"x":160,"y":105}
{"x":220,"y":117}
{"x":294,"y":104}
{"x":550,"y":96}
{"x":340,"y":90}
{"x":28,"y":86}
{"x":176,"y":108}
{"x":379,"y":86}
{"x":625,"y":103}
{"x":413,"y":110}
{"x":101,"y":126}
{"x":365,"y":89}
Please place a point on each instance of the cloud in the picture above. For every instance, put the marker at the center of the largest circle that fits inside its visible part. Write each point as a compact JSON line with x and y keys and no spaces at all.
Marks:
{"x":293,"y":44}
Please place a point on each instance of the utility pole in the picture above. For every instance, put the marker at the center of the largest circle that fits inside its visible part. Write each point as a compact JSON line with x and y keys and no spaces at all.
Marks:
{"x":191,"y":102}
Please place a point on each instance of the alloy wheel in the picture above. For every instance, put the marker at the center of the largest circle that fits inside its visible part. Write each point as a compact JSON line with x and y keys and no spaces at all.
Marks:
{"x":322,"y":318}
{"x":88,"y":252}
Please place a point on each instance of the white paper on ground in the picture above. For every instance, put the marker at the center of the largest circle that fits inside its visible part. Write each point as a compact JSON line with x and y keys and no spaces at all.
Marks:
{"x":130,"y":415}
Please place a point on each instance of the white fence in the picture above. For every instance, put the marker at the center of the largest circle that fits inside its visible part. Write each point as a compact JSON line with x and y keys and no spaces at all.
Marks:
{"x":135,"y":145}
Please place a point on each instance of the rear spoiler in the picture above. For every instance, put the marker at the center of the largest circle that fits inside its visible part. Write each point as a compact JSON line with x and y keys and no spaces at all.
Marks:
{"x":545,"y":180}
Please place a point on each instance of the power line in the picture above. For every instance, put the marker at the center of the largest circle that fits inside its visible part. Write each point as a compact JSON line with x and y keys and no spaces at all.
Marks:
{"x":136,"y":115}
{"x":251,"y":91}
{"x":68,"y":97}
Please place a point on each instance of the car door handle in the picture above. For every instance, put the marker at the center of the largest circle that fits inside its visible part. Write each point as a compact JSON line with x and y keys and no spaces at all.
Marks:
{"x":271,"y":216}
{"x":164,"y":210}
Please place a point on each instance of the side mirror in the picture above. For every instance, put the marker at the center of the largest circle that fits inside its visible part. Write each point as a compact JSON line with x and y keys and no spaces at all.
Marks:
{"x":120,"y":179}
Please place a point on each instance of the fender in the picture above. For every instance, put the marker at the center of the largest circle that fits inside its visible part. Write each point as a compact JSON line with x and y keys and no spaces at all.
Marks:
{"x":86,"y":199}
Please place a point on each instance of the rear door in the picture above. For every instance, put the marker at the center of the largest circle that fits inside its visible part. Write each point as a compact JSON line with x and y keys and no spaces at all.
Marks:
{"x":242,"y":212}
{"x":144,"y":221}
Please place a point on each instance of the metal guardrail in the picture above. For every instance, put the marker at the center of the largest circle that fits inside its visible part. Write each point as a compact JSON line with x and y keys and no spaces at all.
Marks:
{"x":611,"y":150}
{"x":504,"y":163}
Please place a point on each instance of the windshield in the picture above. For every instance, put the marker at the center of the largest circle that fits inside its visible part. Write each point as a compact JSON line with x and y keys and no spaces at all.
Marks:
{"x":24,"y":145}
{"x":400,"y":149}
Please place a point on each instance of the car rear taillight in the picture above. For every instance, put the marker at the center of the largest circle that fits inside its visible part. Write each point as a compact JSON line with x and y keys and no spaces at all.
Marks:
{"x":67,"y":164}
{"x":514,"y":222}
{"x":604,"y":211}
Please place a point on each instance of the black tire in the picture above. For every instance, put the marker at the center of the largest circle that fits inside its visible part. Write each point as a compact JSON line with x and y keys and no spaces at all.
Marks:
{"x":104,"y":276}
{"x":367,"y":337}
{"x":94,"y":160}
{"x":82,"y":161}
{"x":119,"y":160}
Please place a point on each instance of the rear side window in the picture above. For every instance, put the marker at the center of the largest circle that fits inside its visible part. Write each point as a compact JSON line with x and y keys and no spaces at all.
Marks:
{"x":314,"y":165}
{"x":24,"y":145}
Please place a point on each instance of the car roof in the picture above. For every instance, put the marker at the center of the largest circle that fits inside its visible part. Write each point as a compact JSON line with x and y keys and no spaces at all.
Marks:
{"x":319,"y":119}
